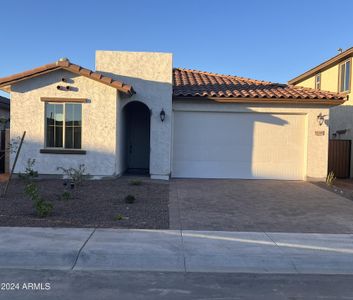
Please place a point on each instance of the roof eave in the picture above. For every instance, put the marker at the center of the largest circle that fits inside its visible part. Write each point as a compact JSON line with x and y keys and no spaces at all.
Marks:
{"x":65,"y":65}
{"x":302,"y":101}
{"x":323,"y":66}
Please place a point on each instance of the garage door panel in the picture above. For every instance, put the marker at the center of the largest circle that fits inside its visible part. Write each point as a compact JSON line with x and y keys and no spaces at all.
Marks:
{"x":211,"y":169}
{"x":199,"y":153}
{"x":238,"y":145}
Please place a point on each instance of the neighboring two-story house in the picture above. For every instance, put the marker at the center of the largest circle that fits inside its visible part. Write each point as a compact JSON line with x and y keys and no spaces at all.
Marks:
{"x":334,"y":75}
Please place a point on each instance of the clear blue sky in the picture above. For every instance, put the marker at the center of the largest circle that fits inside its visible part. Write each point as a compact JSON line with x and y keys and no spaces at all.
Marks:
{"x":268,"y":40}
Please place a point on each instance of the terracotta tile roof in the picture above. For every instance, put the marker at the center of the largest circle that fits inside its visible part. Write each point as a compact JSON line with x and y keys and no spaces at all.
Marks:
{"x":192,"y":83}
{"x":67,"y":65}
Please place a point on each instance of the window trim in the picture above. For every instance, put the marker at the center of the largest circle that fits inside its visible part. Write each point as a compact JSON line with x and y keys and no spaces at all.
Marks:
{"x":316,"y":76}
{"x":350,"y":76}
{"x":63,"y":100}
{"x":62,"y":149}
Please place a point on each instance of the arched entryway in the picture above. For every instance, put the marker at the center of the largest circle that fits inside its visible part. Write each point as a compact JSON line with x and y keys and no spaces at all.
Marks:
{"x":137,"y":119}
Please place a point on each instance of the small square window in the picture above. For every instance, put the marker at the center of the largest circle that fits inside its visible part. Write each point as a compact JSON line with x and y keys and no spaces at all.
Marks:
{"x":318,"y":81}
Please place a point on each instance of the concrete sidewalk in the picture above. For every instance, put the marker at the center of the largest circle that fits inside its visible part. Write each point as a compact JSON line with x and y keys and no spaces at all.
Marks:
{"x":174,"y":250}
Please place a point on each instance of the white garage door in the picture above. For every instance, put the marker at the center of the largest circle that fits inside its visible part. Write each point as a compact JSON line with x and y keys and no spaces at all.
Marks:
{"x":238,"y":145}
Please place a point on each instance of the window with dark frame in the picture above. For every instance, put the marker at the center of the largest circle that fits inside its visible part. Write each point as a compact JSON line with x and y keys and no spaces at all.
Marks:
{"x":318,"y":81}
{"x":345,"y":76}
{"x":63,"y":125}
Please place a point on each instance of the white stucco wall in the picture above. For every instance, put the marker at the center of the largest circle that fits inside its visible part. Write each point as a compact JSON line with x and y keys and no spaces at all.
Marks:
{"x":316,"y":152}
{"x":98,"y":123}
{"x":150,"y":74}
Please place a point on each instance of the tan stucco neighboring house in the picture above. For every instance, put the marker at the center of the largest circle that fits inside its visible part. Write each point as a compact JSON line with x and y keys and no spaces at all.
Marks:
{"x":335,"y":75}
{"x":137,"y":113}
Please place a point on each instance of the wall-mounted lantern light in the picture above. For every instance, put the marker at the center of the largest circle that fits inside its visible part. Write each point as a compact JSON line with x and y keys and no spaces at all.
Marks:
{"x":162,"y":115}
{"x":321,"y":119}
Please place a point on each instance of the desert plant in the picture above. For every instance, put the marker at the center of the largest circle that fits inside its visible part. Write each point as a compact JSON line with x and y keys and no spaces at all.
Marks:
{"x":42,"y":207}
{"x":330,"y":178}
{"x":31,"y":190}
{"x":130,"y":199}
{"x":29,"y":173}
{"x":65,"y":195}
{"x":76,"y":176}
{"x":119,"y":217}
{"x":135,"y":182}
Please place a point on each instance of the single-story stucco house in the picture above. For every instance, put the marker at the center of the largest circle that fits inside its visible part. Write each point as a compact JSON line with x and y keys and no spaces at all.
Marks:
{"x":136,"y":112}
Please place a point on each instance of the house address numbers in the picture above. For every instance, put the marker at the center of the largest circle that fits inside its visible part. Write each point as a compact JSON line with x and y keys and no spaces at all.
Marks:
{"x":320,"y":132}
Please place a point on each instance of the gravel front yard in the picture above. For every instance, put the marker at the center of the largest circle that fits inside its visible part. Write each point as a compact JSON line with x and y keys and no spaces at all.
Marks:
{"x":97,"y":203}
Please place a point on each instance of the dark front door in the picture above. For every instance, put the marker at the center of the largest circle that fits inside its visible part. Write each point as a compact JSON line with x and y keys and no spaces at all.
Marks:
{"x":138,"y":137}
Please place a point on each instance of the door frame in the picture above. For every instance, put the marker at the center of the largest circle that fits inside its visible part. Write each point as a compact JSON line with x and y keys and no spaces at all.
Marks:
{"x":125,"y":141}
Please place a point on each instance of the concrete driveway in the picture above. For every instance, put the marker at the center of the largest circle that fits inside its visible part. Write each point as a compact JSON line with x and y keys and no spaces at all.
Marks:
{"x":257,"y":205}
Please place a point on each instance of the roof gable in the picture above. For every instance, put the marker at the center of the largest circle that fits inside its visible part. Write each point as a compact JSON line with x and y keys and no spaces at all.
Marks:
{"x":323,"y":66}
{"x":66,"y":65}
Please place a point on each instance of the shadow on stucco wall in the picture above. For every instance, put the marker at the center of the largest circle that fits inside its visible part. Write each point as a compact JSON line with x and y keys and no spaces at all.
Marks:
{"x":44,"y":81}
{"x":97,"y":161}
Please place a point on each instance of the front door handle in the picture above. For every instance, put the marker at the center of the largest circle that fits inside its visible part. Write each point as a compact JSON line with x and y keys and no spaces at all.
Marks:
{"x":130,"y":149}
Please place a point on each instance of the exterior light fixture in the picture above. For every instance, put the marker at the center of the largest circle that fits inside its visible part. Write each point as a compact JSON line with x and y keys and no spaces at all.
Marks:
{"x":321,"y":119}
{"x":162,"y":115}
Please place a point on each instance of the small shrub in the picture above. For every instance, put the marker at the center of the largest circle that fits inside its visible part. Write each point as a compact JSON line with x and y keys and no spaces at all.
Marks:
{"x":29,"y":173}
{"x":330,"y":178}
{"x":130,"y":199}
{"x":43,"y":208}
{"x":65,"y":196}
{"x":31,"y":190}
{"x":76,"y":176}
{"x":135,"y":182}
{"x":119,"y":217}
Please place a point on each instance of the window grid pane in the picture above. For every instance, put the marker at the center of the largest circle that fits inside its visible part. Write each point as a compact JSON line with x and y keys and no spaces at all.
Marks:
{"x":347,"y":75}
{"x":342,"y":78}
{"x":73,"y":120}
{"x":54,"y":117}
{"x":318,"y":82}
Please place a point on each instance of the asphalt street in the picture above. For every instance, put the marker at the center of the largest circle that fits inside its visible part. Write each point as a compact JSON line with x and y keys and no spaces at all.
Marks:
{"x":54,"y":284}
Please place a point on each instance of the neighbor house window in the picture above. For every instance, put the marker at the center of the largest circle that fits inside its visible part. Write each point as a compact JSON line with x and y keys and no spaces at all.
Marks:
{"x":318,"y":81}
{"x":63,"y":125}
{"x":345,"y":76}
